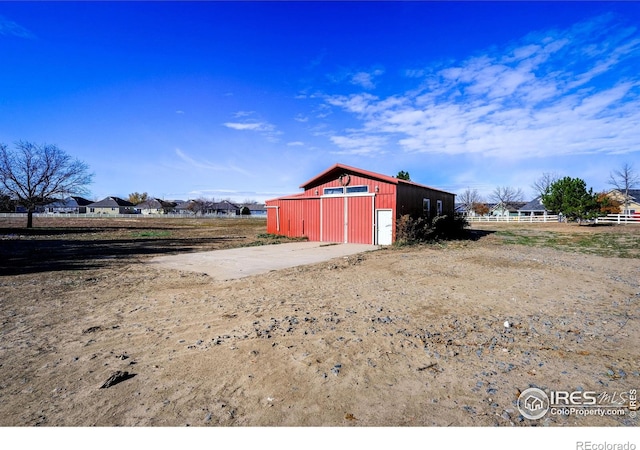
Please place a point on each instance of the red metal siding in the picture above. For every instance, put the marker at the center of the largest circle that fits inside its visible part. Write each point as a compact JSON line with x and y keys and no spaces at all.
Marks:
{"x":298,"y":217}
{"x":332,"y":211}
{"x":311,"y":219}
{"x":272,"y":217}
{"x":360,"y":220}
{"x":360,"y":215}
{"x":386,"y":201}
{"x":303,"y":216}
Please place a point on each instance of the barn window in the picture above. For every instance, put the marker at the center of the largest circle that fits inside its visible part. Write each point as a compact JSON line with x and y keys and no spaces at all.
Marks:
{"x":356,"y":189}
{"x":333,"y":191}
{"x":426,"y":206}
{"x":439,"y":207}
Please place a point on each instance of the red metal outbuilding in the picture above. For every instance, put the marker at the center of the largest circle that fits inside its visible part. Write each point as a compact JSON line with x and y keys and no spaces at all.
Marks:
{"x":346,"y":204}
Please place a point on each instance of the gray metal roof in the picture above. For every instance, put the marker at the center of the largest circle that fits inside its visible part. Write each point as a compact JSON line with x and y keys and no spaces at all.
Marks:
{"x":70,"y":202}
{"x":533,"y":205}
{"x":155,"y":203}
{"x":111,"y":202}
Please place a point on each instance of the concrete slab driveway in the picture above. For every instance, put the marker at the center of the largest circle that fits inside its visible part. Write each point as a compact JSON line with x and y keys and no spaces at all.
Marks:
{"x":246,"y":261}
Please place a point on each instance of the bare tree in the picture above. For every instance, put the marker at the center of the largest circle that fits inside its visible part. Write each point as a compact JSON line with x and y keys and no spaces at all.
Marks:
{"x":542,"y":184}
{"x":625,"y":179}
{"x":34,"y":174}
{"x":469,"y":198}
{"x":506,"y":194}
{"x":201,"y":206}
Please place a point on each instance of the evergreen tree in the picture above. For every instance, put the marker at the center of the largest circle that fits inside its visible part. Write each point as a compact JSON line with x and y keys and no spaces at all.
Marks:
{"x":570,"y":197}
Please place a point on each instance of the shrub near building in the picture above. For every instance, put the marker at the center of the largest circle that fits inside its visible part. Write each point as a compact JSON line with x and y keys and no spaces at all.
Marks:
{"x":416,"y":230}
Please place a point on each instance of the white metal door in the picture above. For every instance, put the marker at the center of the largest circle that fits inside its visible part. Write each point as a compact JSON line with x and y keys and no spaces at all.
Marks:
{"x":384,"y":223}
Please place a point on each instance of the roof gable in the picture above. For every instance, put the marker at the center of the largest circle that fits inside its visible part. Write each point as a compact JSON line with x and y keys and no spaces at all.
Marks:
{"x":184,"y":204}
{"x":224,"y":206}
{"x":81,"y":201}
{"x":534,"y":205}
{"x":338,"y":169}
{"x":69,"y":202}
{"x":507,"y":206}
{"x":111,"y":202}
{"x":155,"y":203}
{"x":253,"y":206}
{"x":634,"y":194}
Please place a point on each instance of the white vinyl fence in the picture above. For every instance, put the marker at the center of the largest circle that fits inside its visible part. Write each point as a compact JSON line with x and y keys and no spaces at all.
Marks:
{"x":609,"y":218}
{"x":515,"y":219}
{"x":619,"y":219}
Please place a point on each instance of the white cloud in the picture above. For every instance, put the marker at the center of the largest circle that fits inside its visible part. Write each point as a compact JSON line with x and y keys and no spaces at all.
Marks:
{"x":207,"y":165}
{"x":295,"y":144}
{"x":317,"y":60}
{"x":365,"y":79}
{"x":10,"y":28}
{"x":359,"y":144}
{"x":555,"y":93}
{"x":267,"y":130}
{"x":240,"y":114}
{"x":236,"y":196}
{"x":322,"y":111}
{"x":198,"y":164}
{"x":254,"y":126}
{"x":414,"y":73}
{"x":354,"y":103}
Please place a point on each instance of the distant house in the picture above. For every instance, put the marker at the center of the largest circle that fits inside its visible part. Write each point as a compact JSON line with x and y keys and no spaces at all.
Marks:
{"x":224,"y":208}
{"x":207,"y":208}
{"x":633,"y":205}
{"x":475,"y":211}
{"x":111,"y":205}
{"x":155,"y":206}
{"x":533,"y":208}
{"x":505,"y":208}
{"x":254,"y":209}
{"x":70,"y":205}
{"x":461,"y":209}
{"x":185,"y":207}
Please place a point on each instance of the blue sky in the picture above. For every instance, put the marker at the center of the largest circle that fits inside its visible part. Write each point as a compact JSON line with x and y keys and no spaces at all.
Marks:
{"x":247,"y":100}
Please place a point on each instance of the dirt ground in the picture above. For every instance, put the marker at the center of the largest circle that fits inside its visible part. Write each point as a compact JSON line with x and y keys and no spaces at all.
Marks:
{"x":409,"y":336}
